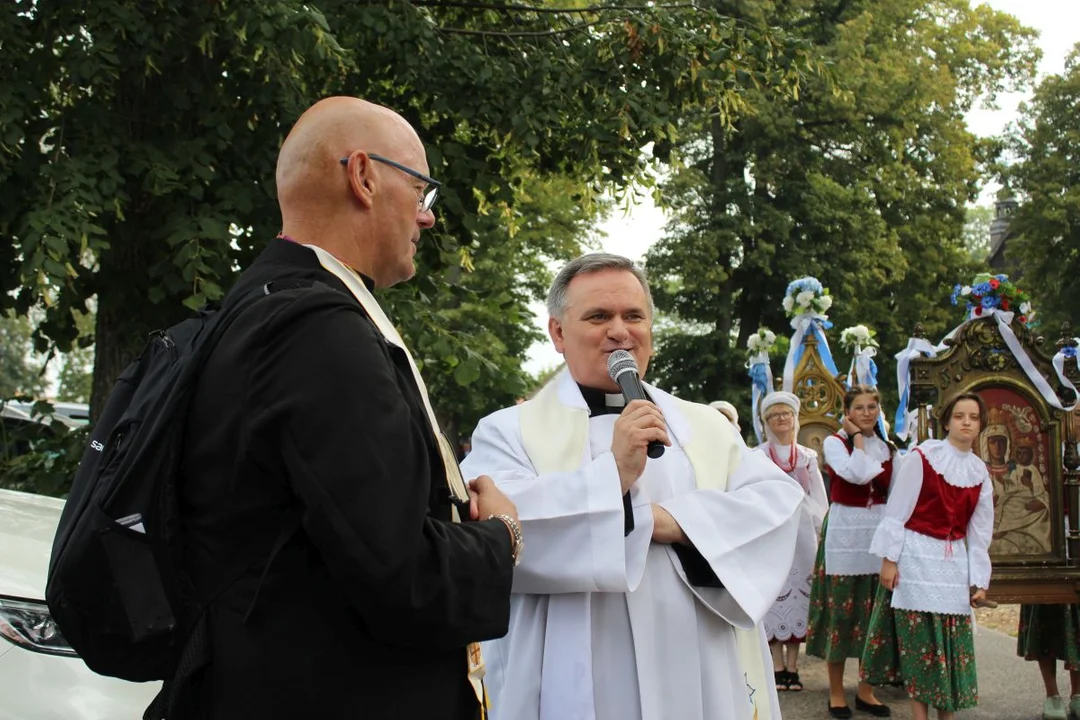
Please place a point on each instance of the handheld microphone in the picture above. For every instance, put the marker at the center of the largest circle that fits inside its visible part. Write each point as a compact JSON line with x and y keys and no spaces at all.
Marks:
{"x":623,"y":370}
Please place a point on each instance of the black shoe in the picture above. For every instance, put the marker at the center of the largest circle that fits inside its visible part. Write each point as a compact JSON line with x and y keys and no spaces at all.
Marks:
{"x":875,"y":710}
{"x":840,"y":713}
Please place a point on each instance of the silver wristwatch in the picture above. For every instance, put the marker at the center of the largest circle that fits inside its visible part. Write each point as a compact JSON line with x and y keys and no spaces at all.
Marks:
{"x":515,"y":530}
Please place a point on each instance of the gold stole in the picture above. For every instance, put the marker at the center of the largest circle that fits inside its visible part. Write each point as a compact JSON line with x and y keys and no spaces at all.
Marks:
{"x":454,"y":479}
{"x":555,"y":437}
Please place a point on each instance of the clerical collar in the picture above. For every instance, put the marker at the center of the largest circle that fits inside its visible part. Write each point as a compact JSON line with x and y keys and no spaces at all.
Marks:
{"x":368,"y":282}
{"x":601,"y":402}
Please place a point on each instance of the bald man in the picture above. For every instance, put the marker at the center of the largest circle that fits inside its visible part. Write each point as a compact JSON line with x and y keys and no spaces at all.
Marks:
{"x":319,"y":498}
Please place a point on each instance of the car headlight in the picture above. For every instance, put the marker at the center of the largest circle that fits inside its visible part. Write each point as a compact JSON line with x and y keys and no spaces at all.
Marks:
{"x":29,"y":625}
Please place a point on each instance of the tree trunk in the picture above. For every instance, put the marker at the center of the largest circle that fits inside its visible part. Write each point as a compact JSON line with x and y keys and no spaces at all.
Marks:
{"x":125,"y":315}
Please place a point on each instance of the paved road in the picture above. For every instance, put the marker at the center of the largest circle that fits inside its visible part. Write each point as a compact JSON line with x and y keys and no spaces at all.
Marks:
{"x":1009,"y":687}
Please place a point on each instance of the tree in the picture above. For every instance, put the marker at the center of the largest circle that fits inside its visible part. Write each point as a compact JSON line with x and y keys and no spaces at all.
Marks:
{"x":20,"y":373}
{"x":77,"y":365}
{"x":862,"y":184}
{"x":139,"y":140}
{"x":977,"y":221}
{"x":1045,"y":229}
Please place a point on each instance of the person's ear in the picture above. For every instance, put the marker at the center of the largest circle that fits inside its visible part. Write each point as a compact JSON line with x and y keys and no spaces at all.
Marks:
{"x":555,"y":330}
{"x":361,"y":179}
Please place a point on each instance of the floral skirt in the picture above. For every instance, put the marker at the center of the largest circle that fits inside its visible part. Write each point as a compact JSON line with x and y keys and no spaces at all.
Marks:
{"x":840,"y":607}
{"x":1050,"y":631}
{"x":932,"y":654}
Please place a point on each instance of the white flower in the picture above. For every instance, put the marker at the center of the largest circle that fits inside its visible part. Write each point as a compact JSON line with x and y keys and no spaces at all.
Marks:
{"x":789,"y":303}
{"x":825,"y":302}
{"x":966,"y":290}
{"x":1025,"y":308}
{"x":803,"y":299}
{"x":770,"y":337}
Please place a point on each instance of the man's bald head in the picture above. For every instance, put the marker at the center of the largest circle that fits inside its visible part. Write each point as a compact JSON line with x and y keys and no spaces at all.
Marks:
{"x":367,"y":212}
{"x":308,"y":164}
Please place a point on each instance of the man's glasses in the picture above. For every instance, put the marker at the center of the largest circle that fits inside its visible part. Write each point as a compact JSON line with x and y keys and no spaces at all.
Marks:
{"x":426,"y":200}
{"x":785,"y":415}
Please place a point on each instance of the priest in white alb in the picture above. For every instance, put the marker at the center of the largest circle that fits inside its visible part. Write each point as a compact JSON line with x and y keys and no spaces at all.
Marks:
{"x":643,"y":581}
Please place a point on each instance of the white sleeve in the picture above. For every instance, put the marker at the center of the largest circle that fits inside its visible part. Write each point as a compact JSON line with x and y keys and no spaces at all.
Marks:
{"x":857,"y":467}
{"x":980,"y":532}
{"x":573,"y":522}
{"x":888,"y":539}
{"x":746,"y":533}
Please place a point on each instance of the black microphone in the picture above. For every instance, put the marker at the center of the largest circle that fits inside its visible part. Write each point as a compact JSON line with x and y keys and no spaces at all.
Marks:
{"x":623,"y":370}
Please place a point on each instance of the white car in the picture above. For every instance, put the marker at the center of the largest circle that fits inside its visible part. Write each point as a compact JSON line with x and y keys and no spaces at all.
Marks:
{"x":41,"y":677}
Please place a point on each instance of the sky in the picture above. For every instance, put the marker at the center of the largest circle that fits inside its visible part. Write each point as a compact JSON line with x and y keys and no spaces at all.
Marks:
{"x":632,"y":232}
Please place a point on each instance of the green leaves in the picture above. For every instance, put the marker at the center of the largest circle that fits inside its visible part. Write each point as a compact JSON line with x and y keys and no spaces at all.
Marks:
{"x":861,"y":180}
{"x":1044,"y":241}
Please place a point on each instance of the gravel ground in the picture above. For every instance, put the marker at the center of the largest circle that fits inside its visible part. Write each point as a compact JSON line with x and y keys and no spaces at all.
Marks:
{"x":1004,"y":618}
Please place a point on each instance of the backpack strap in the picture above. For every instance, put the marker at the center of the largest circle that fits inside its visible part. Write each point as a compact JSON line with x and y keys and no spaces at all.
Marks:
{"x":196,"y":651}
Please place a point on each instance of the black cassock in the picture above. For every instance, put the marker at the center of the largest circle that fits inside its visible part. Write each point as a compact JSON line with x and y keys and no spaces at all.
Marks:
{"x":305,"y":417}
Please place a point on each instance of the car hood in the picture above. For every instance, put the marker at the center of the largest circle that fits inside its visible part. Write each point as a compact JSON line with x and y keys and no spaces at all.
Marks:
{"x":27,"y":526}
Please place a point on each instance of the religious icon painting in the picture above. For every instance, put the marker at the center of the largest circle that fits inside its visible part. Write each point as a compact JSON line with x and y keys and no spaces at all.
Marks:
{"x":1015,"y":446}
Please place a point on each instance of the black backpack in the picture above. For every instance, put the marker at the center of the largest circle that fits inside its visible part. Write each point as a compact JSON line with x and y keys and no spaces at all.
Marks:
{"x":115,"y":587}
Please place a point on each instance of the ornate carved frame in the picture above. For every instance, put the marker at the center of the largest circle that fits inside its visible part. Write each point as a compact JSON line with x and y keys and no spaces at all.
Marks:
{"x":821,"y":396}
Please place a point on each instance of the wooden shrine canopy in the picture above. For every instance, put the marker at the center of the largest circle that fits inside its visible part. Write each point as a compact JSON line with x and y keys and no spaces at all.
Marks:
{"x":1029,"y":447}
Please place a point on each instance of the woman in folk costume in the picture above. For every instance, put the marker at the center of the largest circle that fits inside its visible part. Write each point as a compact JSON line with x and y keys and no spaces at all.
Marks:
{"x":934,"y":542}
{"x":860,"y":466}
{"x":1048,"y":633}
{"x":785,"y":623}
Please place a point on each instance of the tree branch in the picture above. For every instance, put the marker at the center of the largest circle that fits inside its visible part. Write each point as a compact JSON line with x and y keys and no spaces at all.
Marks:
{"x":522,"y":33}
{"x":561,"y":11}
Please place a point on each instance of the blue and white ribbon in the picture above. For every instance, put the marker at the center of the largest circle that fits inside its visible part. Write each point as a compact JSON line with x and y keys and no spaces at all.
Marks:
{"x":761,"y":382}
{"x":1059,"y":366}
{"x":815,"y":324}
{"x":863,"y":369}
{"x":915,"y":348}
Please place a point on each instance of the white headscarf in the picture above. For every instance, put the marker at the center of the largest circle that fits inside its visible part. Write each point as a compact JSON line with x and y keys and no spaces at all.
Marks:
{"x":802,"y":474}
{"x":781,"y":398}
{"x":727,"y":410}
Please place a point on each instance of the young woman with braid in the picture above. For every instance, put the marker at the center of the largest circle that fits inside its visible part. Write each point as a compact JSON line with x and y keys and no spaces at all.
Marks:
{"x":935,"y":567}
{"x":860,"y":466}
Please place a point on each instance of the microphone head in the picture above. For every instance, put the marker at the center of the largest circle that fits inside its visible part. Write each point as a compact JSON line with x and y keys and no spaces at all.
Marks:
{"x":619,"y":362}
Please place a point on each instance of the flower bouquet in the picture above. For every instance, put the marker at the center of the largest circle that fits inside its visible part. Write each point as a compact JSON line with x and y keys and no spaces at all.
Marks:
{"x":993,"y":292}
{"x":806,"y":295}
{"x":857,"y":336}
{"x":761,"y":342}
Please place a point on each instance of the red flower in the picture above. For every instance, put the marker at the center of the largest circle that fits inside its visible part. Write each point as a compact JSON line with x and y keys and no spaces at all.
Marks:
{"x":994,"y":283}
{"x":1023,"y":318}
{"x":1004,"y":303}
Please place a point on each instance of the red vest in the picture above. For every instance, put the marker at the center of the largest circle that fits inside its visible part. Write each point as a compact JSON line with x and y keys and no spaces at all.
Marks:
{"x":875,"y":492}
{"x":943,"y":510}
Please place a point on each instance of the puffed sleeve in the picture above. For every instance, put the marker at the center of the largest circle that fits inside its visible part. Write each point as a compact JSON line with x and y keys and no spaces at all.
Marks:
{"x":979,"y":534}
{"x":888,"y":539}
{"x":856,"y":467}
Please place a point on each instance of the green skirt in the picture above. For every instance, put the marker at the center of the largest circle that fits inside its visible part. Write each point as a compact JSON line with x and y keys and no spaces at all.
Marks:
{"x":840,"y":607}
{"x":932,"y":654}
{"x":1050,"y":631}
{"x":881,"y":655}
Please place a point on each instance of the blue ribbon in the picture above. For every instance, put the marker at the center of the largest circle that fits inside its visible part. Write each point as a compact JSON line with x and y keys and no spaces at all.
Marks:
{"x":900,"y":422}
{"x":816,"y":326}
{"x":759,"y":388}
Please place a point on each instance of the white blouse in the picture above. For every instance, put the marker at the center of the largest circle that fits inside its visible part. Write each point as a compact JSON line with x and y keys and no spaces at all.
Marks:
{"x":847,"y":539}
{"x":936,"y":575}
